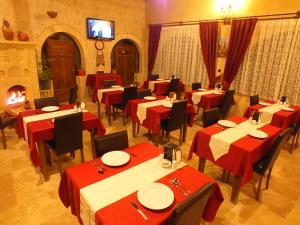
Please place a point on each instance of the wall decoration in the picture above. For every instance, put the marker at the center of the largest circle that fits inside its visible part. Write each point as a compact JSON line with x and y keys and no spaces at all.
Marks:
{"x":222,"y":47}
{"x":7,"y":31}
{"x":22,"y":36}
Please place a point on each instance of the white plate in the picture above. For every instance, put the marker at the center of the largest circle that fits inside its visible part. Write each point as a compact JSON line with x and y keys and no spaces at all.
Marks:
{"x":156,"y":196}
{"x":115,"y":86}
{"x":264,"y":103}
{"x":287,"y":109}
{"x":226,"y":123}
{"x":159,"y":79}
{"x":218,"y":93}
{"x":258,"y":134}
{"x":168,"y":105}
{"x":151,"y":98}
{"x":115,"y":158}
{"x":50,"y":108}
{"x":202,"y":89}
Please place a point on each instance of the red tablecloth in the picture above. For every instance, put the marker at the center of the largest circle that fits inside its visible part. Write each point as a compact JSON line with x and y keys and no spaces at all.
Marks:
{"x":120,"y":212}
{"x":96,"y":81}
{"x":242,"y":153}
{"x":207,"y":101}
{"x":162,"y":87}
{"x":44,"y":130}
{"x":282,"y":119}
{"x":155,"y":114}
{"x":112,"y":97}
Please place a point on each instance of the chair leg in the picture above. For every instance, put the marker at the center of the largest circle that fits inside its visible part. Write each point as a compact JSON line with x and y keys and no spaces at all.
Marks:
{"x":3,"y":139}
{"x":258,"y":190}
{"x":72,"y":155}
{"x":292,"y":145}
{"x":82,"y":155}
{"x":180,"y":136}
{"x":268,"y":177}
{"x":124,"y":119}
{"x":138,"y":129}
{"x":198,"y":110}
{"x":58,"y":161}
{"x":168,"y":135}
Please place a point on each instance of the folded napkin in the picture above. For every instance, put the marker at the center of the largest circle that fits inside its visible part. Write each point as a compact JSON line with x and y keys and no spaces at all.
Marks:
{"x":196,"y":96}
{"x":101,"y":91}
{"x":152,"y":83}
{"x":268,"y":112}
{"x":142,"y":108}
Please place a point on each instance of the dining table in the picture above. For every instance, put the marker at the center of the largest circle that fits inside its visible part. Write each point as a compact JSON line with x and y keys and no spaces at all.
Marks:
{"x":276,"y":114}
{"x":36,"y":126}
{"x":96,"y":82}
{"x":153,"y":114}
{"x":106,"y":198}
{"x":160,"y":87}
{"x":205,"y":98}
{"x":233,"y":149}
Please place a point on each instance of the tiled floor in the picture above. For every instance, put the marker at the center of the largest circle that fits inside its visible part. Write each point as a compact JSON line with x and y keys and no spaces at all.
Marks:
{"x":25,"y":199}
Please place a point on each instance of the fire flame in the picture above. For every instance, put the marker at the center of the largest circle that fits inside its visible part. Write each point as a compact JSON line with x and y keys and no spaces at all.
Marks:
{"x":16,"y":97}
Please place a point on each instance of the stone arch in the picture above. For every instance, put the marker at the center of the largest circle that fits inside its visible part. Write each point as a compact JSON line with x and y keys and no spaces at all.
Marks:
{"x":72,"y":32}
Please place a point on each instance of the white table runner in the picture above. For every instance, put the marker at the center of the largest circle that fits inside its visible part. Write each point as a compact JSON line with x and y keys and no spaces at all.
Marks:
{"x":152,"y":83}
{"x":103,"y":193}
{"x":220,"y":143}
{"x":101,"y":91}
{"x":268,"y":112}
{"x":196,"y":96}
{"x":142,"y":108}
{"x":44,"y":116}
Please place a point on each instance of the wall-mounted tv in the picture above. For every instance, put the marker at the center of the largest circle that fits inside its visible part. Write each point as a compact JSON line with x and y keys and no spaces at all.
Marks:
{"x":100,"y":29}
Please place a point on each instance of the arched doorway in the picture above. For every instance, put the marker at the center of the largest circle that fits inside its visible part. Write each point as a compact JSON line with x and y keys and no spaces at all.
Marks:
{"x":125,"y":60}
{"x":61,"y":54}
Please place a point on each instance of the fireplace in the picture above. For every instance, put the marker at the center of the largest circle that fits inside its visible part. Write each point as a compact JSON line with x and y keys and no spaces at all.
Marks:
{"x":16,"y":94}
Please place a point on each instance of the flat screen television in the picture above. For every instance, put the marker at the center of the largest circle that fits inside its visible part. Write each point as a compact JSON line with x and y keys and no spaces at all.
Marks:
{"x":100,"y":29}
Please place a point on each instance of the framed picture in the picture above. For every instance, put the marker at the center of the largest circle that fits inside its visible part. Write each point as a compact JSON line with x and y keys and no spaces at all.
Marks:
{"x":222,"y":47}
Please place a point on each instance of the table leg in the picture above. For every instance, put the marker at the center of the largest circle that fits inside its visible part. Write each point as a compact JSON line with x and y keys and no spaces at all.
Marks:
{"x":133,"y":129}
{"x":44,"y":165}
{"x":201,"y":164}
{"x":156,"y":139}
{"x":98,"y":108}
{"x":92,"y":133}
{"x":185,"y":128}
{"x":236,"y":186}
{"x":109,"y":114}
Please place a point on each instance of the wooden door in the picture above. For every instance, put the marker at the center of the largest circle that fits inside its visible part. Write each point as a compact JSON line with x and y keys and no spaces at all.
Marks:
{"x":125,"y":62}
{"x":60,"y":60}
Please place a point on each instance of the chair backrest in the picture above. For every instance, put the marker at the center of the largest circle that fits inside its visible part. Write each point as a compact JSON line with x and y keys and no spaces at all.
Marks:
{"x":154,"y":77}
{"x":108,"y":83}
{"x":177,"y":115}
{"x":43,"y":102}
{"x":211,"y":116}
{"x":73,"y":95}
{"x":190,"y":211}
{"x":110,"y":142}
{"x":254,"y":99}
{"x":196,"y":86}
{"x":68,"y":133}
{"x":268,"y":160}
{"x":173,"y":86}
{"x":144,"y":93}
{"x":129,"y":93}
{"x":226,"y":103}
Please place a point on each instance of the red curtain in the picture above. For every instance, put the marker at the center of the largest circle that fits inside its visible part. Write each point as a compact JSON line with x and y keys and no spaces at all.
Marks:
{"x":240,"y":37}
{"x":208,"y":37}
{"x":154,"y":35}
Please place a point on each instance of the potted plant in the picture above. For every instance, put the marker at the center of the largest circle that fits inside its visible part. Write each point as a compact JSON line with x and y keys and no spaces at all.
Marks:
{"x":45,"y":75}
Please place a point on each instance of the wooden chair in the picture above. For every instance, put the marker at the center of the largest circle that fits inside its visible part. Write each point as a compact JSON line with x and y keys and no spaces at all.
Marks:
{"x":144,"y":93}
{"x":109,"y":83}
{"x":73,"y":95}
{"x":43,"y":102}
{"x":110,"y":142}
{"x":154,"y":77}
{"x":266,"y":163}
{"x":67,"y":136}
{"x":211,"y":116}
{"x":190,"y":211}
{"x":129,"y":94}
{"x":176,"y":119}
{"x":196,"y":86}
{"x":226,"y":103}
{"x":6,"y":122}
{"x":254,"y":100}
{"x":295,"y":136}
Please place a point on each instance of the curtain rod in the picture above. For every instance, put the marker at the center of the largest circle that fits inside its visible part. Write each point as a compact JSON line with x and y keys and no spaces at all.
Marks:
{"x":277,"y":16}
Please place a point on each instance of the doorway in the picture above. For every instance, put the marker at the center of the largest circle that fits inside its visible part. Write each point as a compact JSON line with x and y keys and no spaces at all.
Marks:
{"x":125,"y":60}
{"x":61,"y":54}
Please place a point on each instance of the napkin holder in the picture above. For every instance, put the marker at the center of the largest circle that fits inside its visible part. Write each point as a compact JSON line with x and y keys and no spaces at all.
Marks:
{"x":172,"y":152}
{"x":283,"y":99}
{"x":256,"y":116}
